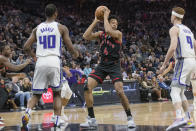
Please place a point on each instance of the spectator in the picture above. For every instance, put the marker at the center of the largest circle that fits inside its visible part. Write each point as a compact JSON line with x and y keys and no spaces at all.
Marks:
{"x":18,"y":94}
{"x":20,"y":59}
{"x":87,"y":70}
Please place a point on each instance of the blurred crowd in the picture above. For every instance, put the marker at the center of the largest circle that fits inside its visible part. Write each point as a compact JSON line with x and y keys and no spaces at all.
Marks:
{"x":144,"y":25}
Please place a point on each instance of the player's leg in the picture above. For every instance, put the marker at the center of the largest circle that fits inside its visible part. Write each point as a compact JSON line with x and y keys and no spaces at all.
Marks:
{"x":193,"y":82}
{"x":115,"y":75}
{"x":54,"y":76}
{"x":177,"y":94}
{"x":185,"y":79}
{"x":94,"y":78}
{"x":39,"y":86}
{"x":66,"y":94}
{"x":125,"y":103}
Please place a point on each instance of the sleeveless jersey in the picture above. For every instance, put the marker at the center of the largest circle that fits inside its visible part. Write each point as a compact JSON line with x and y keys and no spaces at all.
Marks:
{"x":185,"y":47}
{"x":48,"y":40}
{"x":109,"y":48}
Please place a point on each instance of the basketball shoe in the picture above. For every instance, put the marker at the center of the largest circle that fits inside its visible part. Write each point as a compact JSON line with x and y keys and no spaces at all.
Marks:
{"x":131,"y":123}
{"x":177,"y":123}
{"x":25,"y":119}
{"x":189,"y":124}
{"x":90,"y":123}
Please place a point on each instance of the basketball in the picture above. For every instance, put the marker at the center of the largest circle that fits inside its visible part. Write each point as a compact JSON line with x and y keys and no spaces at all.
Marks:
{"x":99,"y":13}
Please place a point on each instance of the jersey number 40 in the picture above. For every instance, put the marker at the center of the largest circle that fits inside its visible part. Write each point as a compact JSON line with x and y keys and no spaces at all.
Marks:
{"x":47,"y":41}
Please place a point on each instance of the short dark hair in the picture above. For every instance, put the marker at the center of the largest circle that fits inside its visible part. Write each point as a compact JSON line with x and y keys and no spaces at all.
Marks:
{"x":2,"y":46}
{"x":112,"y":17}
{"x":50,"y":10}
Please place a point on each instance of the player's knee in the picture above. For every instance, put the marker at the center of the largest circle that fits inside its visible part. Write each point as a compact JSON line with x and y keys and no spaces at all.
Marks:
{"x":88,"y":87}
{"x":175,"y":95}
{"x":119,"y":90}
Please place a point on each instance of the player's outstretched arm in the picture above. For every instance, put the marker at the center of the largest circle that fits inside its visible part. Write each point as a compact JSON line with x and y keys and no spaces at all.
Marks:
{"x":173,"y":44}
{"x":67,"y":41}
{"x":88,"y":34}
{"x":13,"y":67}
{"x":108,"y":29}
{"x":29,"y":43}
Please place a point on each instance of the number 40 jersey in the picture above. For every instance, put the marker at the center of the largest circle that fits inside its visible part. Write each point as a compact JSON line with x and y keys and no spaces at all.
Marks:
{"x":48,"y":40}
{"x":185,"y":47}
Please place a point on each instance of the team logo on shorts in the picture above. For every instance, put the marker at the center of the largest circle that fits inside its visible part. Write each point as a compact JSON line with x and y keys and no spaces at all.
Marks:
{"x":47,"y":95}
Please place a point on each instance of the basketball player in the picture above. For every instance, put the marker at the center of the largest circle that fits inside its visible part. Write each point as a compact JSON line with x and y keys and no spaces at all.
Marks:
{"x":48,"y":36}
{"x":182,"y":46}
{"x":66,"y":93}
{"x":6,"y":65}
{"x":110,"y":45}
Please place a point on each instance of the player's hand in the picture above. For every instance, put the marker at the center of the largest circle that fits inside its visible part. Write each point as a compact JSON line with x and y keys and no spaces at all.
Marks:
{"x":160,"y":77}
{"x":162,"y":68}
{"x":76,"y":54}
{"x":106,"y":12}
{"x":96,"y":20}
{"x":28,"y":61}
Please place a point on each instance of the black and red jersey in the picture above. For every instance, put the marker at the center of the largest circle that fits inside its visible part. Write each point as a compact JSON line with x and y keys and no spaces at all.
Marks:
{"x":109,"y":48}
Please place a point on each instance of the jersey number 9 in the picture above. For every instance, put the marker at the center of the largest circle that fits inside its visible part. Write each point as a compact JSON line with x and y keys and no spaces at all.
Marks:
{"x":189,"y":41}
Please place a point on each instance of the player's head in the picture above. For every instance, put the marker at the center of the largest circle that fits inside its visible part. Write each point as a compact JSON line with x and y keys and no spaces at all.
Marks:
{"x":51,"y":11}
{"x":5,"y":50}
{"x":177,"y":14}
{"x":113,"y":22}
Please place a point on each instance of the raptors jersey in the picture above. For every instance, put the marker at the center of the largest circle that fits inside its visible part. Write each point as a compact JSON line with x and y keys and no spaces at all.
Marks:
{"x":185,"y":47}
{"x":48,"y":40}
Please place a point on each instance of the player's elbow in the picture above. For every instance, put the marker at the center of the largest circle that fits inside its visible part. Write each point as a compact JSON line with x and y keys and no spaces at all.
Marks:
{"x":86,"y":37}
{"x":26,"y":48}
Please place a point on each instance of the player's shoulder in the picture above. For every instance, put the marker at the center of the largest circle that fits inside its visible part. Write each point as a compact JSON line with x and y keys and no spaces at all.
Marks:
{"x":174,"y":29}
{"x":3,"y":59}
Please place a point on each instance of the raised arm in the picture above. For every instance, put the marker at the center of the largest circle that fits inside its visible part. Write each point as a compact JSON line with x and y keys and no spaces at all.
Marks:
{"x":88,"y":34}
{"x":173,"y":44}
{"x":108,"y":29}
{"x":67,"y":41}
{"x":29,"y":43}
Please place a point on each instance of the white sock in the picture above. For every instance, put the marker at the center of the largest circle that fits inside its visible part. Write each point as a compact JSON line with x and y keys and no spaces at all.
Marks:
{"x":188,"y":115}
{"x":28,"y":111}
{"x":178,"y":113}
{"x":194,"y":103}
{"x":62,"y":111}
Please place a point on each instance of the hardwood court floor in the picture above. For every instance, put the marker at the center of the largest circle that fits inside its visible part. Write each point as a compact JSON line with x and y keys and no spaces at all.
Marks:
{"x":154,"y":114}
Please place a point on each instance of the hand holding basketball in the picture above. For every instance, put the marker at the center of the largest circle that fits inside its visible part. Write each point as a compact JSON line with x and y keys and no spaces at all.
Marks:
{"x":106,"y":13}
{"x":99,"y":13}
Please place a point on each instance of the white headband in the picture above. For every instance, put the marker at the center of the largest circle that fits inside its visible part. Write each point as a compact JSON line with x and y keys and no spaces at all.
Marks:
{"x":177,"y":15}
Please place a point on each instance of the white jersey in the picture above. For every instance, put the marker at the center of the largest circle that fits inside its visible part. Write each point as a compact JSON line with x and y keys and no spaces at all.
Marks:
{"x":185,"y":47}
{"x":48,"y":40}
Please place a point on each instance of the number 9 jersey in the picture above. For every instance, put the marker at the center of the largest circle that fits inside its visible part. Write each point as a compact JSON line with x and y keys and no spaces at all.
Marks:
{"x":48,"y":40}
{"x":185,"y":46}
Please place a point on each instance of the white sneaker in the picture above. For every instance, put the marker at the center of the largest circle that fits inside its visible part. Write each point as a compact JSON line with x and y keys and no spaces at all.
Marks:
{"x":1,"y":119}
{"x":58,"y":121}
{"x":64,"y":117}
{"x":90,"y":123}
{"x":177,"y":123}
{"x":189,"y":124}
{"x":131,"y":123}
{"x":1,"y":123}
